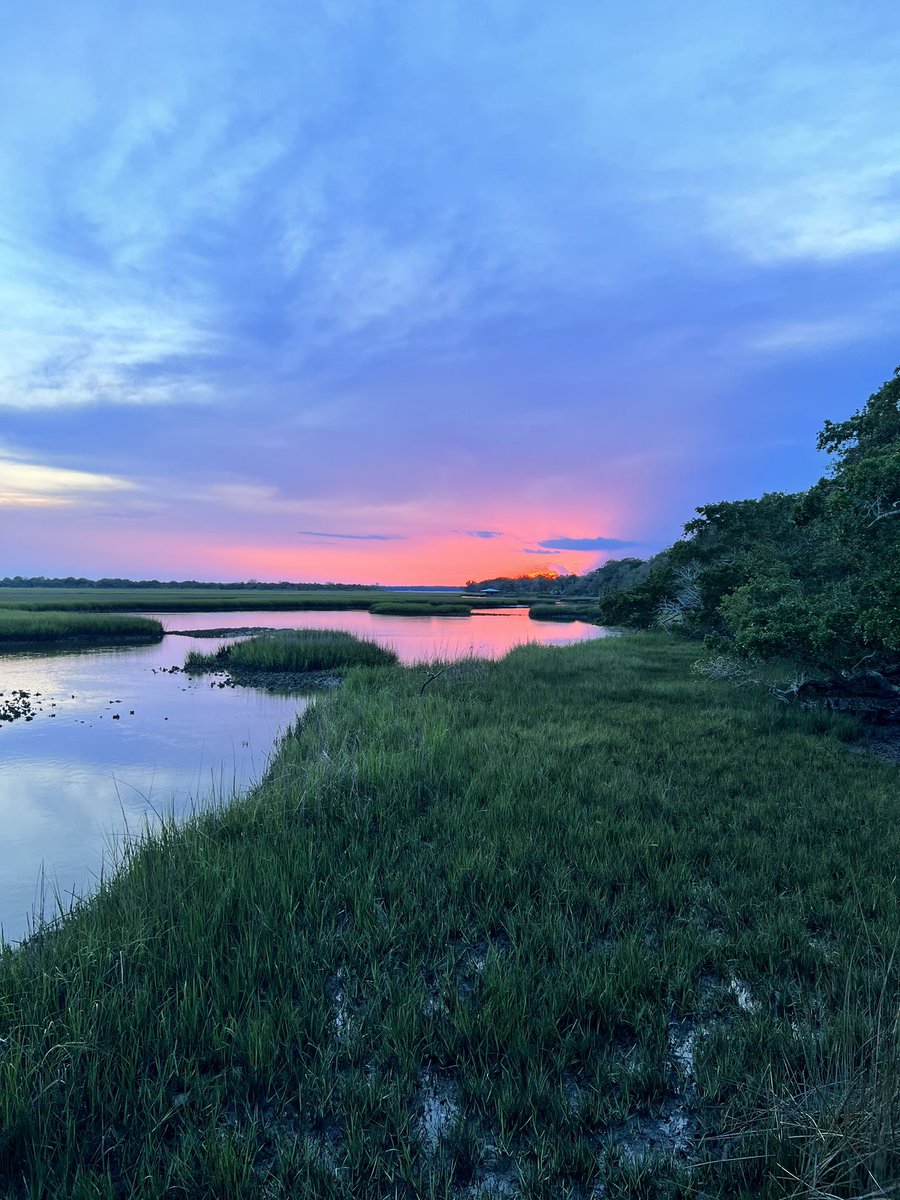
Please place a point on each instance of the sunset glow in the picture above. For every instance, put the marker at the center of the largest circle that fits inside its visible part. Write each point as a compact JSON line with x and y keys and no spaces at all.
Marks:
{"x":420,"y":295}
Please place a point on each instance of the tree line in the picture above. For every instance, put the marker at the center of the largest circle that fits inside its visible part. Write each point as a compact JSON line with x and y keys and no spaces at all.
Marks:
{"x":72,"y":581}
{"x":811,"y":576}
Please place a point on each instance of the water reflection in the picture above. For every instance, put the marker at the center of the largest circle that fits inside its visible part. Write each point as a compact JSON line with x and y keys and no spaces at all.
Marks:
{"x":117,"y":739}
{"x":487,"y":634}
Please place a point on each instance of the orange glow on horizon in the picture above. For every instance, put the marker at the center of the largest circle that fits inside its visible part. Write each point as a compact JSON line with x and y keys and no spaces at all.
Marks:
{"x":421,"y":556}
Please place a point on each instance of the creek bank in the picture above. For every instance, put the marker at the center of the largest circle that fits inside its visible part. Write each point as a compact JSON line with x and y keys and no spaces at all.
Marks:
{"x":77,"y":641}
{"x":873,"y":697}
{"x":290,"y":682}
{"x":237,"y":631}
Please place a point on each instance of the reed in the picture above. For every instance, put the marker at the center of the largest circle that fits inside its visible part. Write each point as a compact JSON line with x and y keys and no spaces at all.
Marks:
{"x":293,"y":650}
{"x":24,"y":628}
{"x":417,"y":608}
{"x":563,"y":612}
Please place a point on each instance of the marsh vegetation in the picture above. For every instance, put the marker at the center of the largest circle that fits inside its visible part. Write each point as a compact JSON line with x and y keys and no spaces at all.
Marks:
{"x":294,"y":650}
{"x":563,"y":612}
{"x":570,"y":921}
{"x":18,"y":627}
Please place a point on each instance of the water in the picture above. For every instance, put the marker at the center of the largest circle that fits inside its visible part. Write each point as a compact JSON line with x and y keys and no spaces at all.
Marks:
{"x":118,"y":740}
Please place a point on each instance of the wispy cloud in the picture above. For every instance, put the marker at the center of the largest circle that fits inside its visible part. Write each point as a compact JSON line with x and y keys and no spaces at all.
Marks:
{"x":349,"y":305}
{"x":35,"y":485}
{"x":582,"y":543}
{"x":354,"y":537}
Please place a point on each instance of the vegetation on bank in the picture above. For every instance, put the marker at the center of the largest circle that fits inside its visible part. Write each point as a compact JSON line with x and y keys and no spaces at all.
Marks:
{"x":212,"y":600}
{"x":562,"y":612}
{"x":80,"y":583}
{"x":813,"y":577}
{"x":19,"y":627}
{"x":619,"y":574}
{"x":178,"y":600}
{"x":519,"y":928}
{"x":294,"y":650}
{"x":419,"y":608}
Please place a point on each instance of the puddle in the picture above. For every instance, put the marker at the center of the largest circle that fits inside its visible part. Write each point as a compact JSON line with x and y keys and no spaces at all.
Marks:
{"x":641,"y":1137}
{"x":682,"y":1042}
{"x":438,"y":1107}
{"x":337,"y":993}
{"x":493,"y":1185}
{"x":743,"y":997}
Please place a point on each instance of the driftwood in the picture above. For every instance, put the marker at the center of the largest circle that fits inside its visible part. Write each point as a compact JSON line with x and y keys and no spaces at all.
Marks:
{"x":869,"y":684}
{"x":872,"y":695}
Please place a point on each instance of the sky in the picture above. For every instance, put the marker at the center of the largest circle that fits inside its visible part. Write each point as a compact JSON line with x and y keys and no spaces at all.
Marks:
{"x":390,"y":292}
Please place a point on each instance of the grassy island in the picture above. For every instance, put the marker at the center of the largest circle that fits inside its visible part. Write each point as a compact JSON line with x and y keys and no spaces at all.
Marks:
{"x":414,"y":608}
{"x":574,"y":923}
{"x":19,"y":628}
{"x":563,"y":612}
{"x":294,"y":650}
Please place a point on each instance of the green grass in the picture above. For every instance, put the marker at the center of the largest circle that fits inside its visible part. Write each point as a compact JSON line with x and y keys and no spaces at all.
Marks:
{"x":294,"y":650}
{"x":577,"y":894}
{"x":418,"y":608}
{"x":19,"y":627}
{"x":194,"y":599}
{"x":562,"y":612}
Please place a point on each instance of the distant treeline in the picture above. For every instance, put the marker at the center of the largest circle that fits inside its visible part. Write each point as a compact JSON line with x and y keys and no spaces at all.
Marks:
{"x":70,"y":581}
{"x":617,"y":575}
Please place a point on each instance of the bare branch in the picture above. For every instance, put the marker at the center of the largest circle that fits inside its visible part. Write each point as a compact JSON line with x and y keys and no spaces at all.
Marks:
{"x":433,"y":676}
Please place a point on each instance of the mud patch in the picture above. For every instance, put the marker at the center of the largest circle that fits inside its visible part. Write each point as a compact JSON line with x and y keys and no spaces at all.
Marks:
{"x":437,"y":1108}
{"x":641,"y":1138}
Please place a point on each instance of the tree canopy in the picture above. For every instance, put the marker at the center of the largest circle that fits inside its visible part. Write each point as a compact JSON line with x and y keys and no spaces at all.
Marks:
{"x":812,"y":576}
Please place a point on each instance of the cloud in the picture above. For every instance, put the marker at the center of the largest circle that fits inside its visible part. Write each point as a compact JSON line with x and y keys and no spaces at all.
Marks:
{"x":581,"y":543}
{"x":33,"y":485}
{"x":355,"y":537}
{"x":811,"y":336}
{"x":483,"y":533}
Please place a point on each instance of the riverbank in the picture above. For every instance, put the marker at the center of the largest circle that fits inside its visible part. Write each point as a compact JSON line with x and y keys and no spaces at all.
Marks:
{"x":20,"y":629}
{"x":520,"y":928}
{"x":174,"y":600}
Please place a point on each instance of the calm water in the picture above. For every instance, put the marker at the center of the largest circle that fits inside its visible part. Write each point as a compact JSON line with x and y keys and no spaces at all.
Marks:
{"x":73,"y":779}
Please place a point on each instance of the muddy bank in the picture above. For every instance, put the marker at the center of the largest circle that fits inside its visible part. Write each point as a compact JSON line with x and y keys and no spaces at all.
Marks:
{"x":49,"y":645}
{"x":284,"y":682}
{"x":236,"y":631}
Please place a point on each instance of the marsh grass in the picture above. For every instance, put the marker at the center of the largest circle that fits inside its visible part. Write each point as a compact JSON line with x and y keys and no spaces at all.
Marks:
{"x":195,"y":599}
{"x":568,"y":920}
{"x":562,"y":612}
{"x":416,"y":608}
{"x":18,"y":627}
{"x":294,"y":650}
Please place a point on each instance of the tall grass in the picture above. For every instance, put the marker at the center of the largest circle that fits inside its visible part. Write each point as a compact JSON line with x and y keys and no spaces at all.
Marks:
{"x":569,"y":921}
{"x":18,"y":627}
{"x":418,"y":608}
{"x":194,"y":599}
{"x":563,"y":612}
{"x":294,"y":650}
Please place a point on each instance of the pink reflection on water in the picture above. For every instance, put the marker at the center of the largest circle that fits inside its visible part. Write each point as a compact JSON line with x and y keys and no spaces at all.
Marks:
{"x":414,"y":639}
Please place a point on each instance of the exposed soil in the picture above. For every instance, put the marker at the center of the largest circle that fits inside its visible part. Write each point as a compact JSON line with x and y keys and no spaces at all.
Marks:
{"x":238,"y":631}
{"x":48,"y":645}
{"x":280,"y":681}
{"x":881,"y":740}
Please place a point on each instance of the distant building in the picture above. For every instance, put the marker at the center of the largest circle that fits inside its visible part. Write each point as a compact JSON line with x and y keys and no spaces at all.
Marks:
{"x":489,"y":592}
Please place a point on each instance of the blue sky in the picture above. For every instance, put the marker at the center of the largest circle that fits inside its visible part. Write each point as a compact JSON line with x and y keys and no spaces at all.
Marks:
{"x":397,"y":273}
